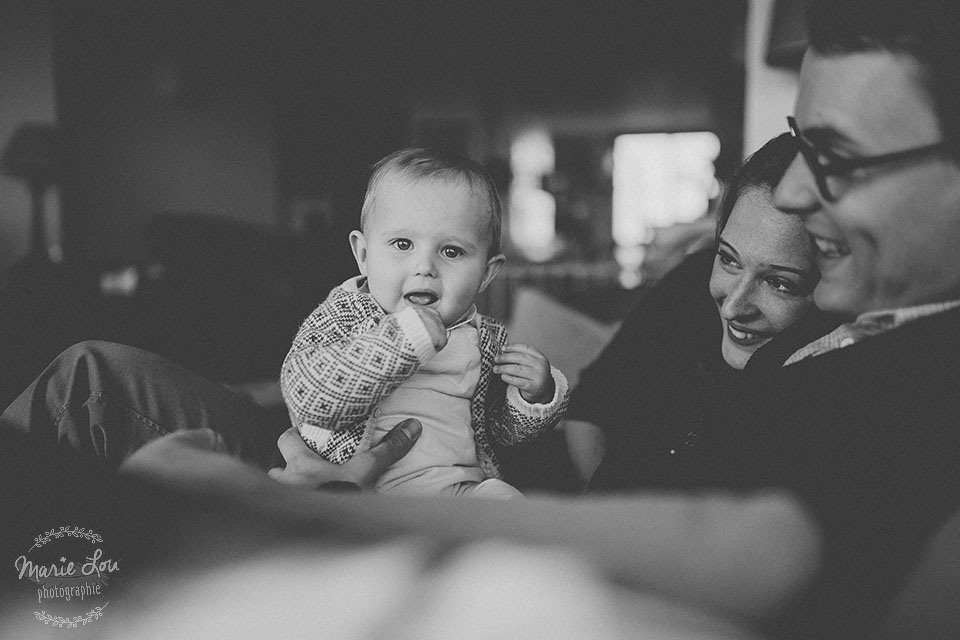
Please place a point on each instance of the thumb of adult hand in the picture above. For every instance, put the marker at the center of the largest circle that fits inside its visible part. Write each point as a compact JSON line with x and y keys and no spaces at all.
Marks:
{"x":397,"y":442}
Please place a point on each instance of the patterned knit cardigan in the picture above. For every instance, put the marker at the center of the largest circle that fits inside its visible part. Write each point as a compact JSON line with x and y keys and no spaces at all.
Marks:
{"x":349,"y":354}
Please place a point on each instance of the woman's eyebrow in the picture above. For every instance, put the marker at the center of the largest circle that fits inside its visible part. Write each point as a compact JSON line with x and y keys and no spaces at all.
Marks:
{"x":796,"y":270}
{"x":776,"y":267}
{"x":729,"y":246}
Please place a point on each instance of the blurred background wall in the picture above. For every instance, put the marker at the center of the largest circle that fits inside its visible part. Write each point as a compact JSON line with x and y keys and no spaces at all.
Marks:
{"x":249,"y":109}
{"x":261,"y":110}
{"x":210,"y":156}
{"x":26,"y":94}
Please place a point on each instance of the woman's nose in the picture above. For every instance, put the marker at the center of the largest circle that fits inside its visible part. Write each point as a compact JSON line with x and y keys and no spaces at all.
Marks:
{"x":739,"y":300}
{"x":797,"y":191}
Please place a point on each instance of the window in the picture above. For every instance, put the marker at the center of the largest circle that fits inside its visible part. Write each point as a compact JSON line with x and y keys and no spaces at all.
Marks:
{"x":659,"y":179}
{"x":532,"y":210}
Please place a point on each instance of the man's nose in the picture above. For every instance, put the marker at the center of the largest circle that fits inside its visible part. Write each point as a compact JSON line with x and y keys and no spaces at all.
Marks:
{"x":739,"y":301}
{"x":797,"y":191}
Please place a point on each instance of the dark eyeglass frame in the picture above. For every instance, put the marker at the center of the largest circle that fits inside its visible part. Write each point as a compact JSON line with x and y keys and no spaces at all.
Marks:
{"x":840,"y":166}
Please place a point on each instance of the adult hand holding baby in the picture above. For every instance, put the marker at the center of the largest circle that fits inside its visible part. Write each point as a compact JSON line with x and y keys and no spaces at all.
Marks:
{"x":306,"y":468}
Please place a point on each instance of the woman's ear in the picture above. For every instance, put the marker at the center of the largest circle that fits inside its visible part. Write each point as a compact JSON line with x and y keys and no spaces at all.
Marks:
{"x":494,"y":265}
{"x":359,"y":246}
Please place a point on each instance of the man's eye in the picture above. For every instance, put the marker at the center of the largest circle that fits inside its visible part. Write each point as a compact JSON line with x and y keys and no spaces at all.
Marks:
{"x":451,"y":252}
{"x":402,"y":244}
{"x":833,"y":160}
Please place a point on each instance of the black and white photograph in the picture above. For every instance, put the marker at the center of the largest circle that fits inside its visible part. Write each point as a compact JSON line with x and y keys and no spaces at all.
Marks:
{"x":480,"y":319}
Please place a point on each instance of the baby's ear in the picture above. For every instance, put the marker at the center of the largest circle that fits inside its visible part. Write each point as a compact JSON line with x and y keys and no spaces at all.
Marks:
{"x":494,"y":265}
{"x":359,"y":246}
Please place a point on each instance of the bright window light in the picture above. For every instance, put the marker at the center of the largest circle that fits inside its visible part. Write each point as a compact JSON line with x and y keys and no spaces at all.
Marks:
{"x":659,"y":179}
{"x":533,"y":211}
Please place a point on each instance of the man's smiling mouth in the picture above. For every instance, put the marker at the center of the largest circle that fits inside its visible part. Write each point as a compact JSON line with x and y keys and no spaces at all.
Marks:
{"x":422,"y":298}
{"x":830,"y":248}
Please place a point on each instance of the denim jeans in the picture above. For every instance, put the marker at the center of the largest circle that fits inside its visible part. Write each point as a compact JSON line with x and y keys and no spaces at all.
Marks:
{"x":105,"y":400}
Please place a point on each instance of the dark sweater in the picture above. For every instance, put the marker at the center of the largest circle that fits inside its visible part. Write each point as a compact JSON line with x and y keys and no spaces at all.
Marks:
{"x":868,"y":437}
{"x":658,"y":388}
{"x":655,"y":388}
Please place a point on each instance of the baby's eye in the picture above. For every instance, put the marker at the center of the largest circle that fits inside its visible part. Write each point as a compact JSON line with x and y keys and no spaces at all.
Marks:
{"x":402,"y":244}
{"x":452,"y":252}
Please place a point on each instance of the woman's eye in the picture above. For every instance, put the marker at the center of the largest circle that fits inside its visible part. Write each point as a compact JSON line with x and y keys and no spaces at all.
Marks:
{"x":726,"y":259}
{"x":451,"y":252}
{"x":784,"y":286}
{"x":402,"y":244}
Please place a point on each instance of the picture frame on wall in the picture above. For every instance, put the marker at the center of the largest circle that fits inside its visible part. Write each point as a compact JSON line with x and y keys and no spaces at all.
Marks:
{"x":788,"y":36}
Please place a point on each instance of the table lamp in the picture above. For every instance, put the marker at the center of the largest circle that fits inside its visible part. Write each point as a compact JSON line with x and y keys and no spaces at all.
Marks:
{"x":32,"y":155}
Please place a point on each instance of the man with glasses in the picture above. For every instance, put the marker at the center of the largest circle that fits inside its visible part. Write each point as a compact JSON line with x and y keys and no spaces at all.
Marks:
{"x":863,"y":424}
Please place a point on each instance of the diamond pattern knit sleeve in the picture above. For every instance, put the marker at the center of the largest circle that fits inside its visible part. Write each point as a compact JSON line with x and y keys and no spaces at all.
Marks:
{"x":345,"y":358}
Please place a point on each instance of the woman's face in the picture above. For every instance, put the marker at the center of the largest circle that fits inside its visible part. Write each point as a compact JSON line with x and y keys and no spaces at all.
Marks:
{"x":763,"y":275}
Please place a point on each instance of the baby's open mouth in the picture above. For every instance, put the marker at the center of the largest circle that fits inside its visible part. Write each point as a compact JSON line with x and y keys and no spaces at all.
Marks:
{"x":422,"y":298}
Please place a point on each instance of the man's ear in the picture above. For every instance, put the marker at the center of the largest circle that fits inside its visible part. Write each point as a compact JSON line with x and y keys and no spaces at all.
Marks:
{"x":494,"y":265}
{"x":359,"y":246}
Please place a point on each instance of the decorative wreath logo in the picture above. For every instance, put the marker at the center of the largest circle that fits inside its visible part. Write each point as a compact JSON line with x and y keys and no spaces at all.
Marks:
{"x":73,"y":532}
{"x":58,"y":577}
{"x":59,"y":621}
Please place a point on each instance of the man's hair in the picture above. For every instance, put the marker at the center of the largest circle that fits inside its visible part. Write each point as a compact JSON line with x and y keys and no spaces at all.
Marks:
{"x":762,"y":171}
{"x":926,"y":30}
{"x":418,"y":163}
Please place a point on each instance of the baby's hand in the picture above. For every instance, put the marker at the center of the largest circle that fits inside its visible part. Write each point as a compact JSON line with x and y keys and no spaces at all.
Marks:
{"x":528,"y":370}
{"x":435,"y":329}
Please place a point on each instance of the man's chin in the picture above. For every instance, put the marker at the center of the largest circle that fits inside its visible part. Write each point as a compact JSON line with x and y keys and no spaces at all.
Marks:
{"x":833,"y":297}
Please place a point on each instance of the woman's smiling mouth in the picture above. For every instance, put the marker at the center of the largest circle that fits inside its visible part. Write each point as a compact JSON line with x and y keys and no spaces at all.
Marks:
{"x":743,"y":337}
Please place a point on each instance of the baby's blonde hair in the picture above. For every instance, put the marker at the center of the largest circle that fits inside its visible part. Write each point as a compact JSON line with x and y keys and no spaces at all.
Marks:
{"x":417,"y":163}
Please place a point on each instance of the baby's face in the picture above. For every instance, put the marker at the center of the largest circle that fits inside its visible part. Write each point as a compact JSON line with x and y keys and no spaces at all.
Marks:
{"x":426,"y":242}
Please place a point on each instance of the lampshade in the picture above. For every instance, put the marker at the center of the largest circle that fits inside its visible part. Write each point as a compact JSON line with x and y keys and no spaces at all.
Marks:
{"x":31,"y":153}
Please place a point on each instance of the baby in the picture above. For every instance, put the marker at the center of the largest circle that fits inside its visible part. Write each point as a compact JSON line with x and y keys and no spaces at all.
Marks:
{"x":404,"y":338}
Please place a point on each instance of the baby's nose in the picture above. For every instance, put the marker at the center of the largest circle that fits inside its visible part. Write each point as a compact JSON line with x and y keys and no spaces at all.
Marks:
{"x":425,"y":265}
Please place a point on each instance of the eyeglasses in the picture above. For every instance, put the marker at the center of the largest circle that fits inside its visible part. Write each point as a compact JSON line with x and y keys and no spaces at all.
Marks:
{"x":832,"y":171}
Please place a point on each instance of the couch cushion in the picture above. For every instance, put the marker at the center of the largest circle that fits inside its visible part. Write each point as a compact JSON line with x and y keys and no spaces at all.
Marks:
{"x":569,"y":338}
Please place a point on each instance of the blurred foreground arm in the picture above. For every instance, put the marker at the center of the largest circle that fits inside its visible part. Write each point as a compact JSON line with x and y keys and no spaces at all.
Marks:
{"x":163,"y":461}
{"x":746,"y":556}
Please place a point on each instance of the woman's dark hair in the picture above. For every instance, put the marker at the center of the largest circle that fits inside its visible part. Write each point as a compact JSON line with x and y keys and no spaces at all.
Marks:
{"x":763,"y":170}
{"x":926,"y":30}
